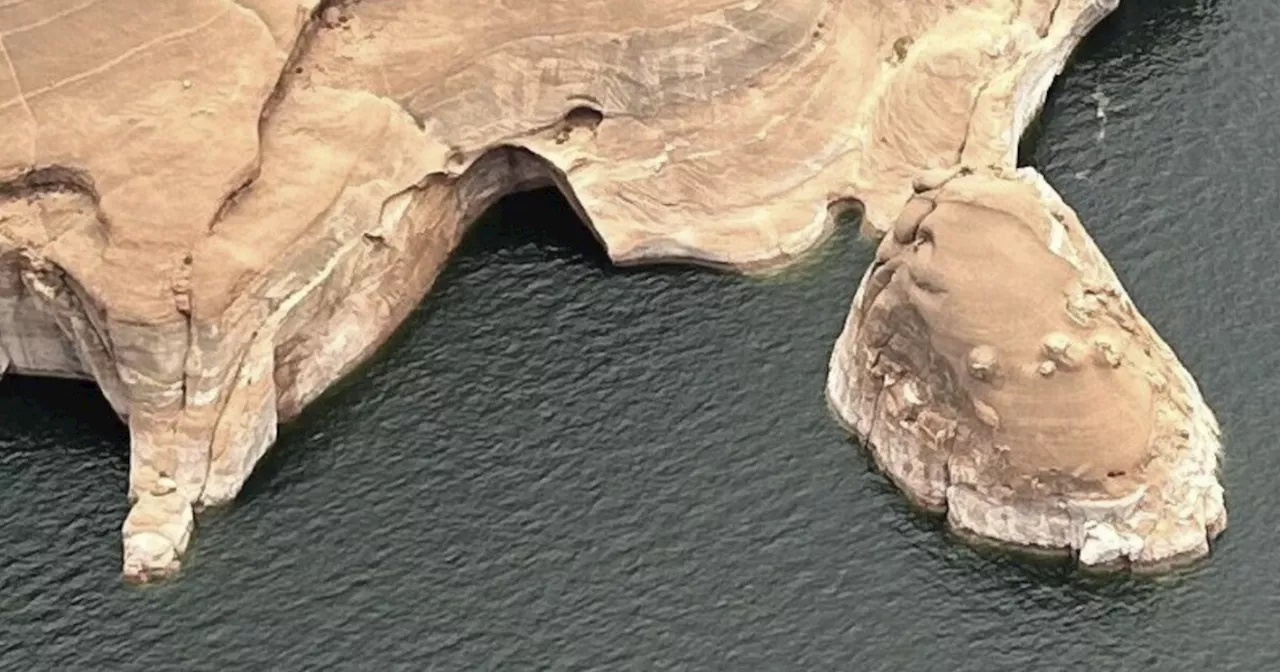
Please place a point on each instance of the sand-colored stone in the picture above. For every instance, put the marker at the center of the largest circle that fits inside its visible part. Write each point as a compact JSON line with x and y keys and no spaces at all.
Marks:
{"x":1055,"y":417}
{"x":216,"y":209}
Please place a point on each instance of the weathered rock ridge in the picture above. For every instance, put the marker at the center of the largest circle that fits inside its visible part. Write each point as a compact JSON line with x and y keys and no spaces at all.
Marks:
{"x":216,"y":209}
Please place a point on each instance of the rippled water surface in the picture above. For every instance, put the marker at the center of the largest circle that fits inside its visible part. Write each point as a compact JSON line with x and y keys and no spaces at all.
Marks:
{"x":559,"y":465}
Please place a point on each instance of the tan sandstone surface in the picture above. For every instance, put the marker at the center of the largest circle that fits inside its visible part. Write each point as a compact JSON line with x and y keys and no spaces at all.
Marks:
{"x":216,"y":209}
{"x":1046,"y":414}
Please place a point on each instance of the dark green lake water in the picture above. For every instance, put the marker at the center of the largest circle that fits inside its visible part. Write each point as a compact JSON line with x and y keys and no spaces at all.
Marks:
{"x":559,"y":465}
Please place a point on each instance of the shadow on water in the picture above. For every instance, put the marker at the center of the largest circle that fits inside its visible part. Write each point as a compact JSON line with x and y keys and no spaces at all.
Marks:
{"x":60,"y":412}
{"x":558,"y":235}
{"x":541,"y":218}
{"x":538,"y":223}
{"x":64,"y":463}
{"x":1143,"y":29}
{"x":1150,"y":35}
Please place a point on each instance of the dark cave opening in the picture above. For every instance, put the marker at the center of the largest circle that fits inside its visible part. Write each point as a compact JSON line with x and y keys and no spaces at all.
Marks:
{"x":58,"y":411}
{"x":541,"y":217}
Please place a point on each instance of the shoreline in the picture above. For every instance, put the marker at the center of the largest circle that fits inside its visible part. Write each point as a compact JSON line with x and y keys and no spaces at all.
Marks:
{"x":341,"y":185}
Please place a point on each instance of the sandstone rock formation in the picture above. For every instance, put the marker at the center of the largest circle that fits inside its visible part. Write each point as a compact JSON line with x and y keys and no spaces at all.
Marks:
{"x":217,"y":208}
{"x":1041,"y":412}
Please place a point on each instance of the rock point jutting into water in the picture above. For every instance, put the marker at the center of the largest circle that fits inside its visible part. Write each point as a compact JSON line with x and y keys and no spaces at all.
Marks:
{"x":216,"y":209}
{"x":1043,"y":413}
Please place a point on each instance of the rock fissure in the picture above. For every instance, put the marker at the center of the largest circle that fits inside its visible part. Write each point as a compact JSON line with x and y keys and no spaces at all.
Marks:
{"x":1053,"y":14}
{"x":973,"y":113}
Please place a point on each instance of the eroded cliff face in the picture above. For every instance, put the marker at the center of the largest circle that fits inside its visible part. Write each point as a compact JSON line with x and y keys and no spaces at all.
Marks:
{"x":216,"y":209}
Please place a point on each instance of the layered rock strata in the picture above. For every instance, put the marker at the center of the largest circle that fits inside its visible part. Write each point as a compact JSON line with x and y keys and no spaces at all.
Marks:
{"x":1044,"y":413}
{"x":215,"y":209}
